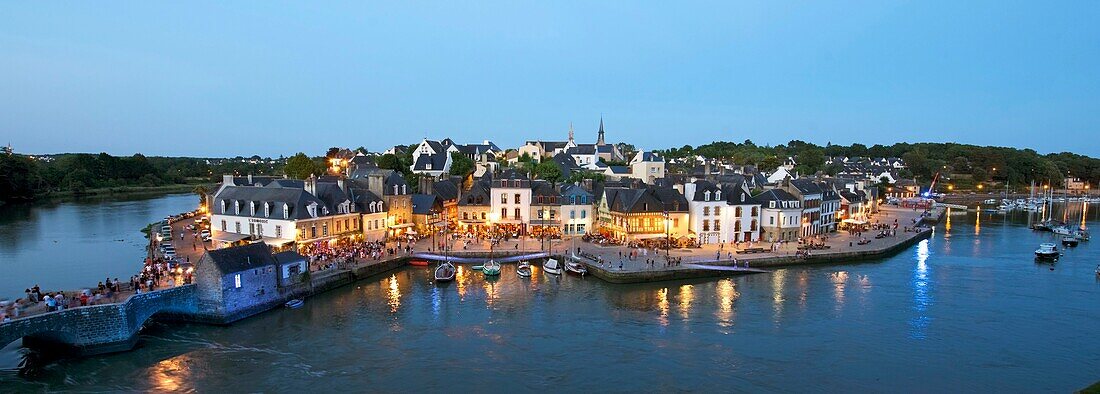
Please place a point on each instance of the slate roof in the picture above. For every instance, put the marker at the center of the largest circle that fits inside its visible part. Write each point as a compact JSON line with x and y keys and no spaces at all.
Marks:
{"x":478,"y":195}
{"x":650,"y":156}
{"x":428,"y":162}
{"x":296,"y":199}
{"x":291,"y":183}
{"x":645,"y":200}
{"x":701,"y":187}
{"x":394,"y":179}
{"x":619,"y":169}
{"x":422,"y":204}
{"x":288,"y":257}
{"x":446,"y":189}
{"x":774,"y":195}
{"x":331,"y":194}
{"x":736,"y":194}
{"x":582,"y":149}
{"x":241,"y":258}
{"x":360,"y":195}
{"x":806,"y":186}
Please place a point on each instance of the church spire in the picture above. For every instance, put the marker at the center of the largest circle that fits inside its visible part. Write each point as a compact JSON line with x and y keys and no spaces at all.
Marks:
{"x":599,"y":139}
{"x":570,"y":131}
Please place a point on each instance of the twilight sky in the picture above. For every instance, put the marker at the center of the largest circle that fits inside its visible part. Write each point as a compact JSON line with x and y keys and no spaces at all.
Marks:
{"x":212,"y":79}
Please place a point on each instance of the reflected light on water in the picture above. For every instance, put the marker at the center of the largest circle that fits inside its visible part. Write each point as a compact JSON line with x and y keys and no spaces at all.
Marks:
{"x":978,"y":223}
{"x":727,"y":293}
{"x":947,"y":224}
{"x":490,"y":292}
{"x":460,"y":280}
{"x":922,"y":297}
{"x":779,"y":279}
{"x":840,"y":282}
{"x":393,"y":294}
{"x":686,"y":296}
{"x":171,"y":375}
{"x":662,"y":306}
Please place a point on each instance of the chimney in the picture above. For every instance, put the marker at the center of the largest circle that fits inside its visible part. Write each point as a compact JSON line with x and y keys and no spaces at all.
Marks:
{"x":311,"y":185}
{"x":340,"y":183}
{"x":249,"y":179}
{"x":227,"y":180}
{"x":375,"y":183}
{"x":689,"y":191}
{"x":426,"y":183}
{"x":706,"y":168}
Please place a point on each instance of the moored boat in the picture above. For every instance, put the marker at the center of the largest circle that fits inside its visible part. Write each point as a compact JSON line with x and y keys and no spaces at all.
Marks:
{"x":491,"y":268}
{"x":1047,"y":251}
{"x":523,"y":269}
{"x":295,"y":303}
{"x":575,"y":267}
{"x":1069,"y":241}
{"x":552,"y":266}
{"x":418,"y":263}
{"x":445,"y":272}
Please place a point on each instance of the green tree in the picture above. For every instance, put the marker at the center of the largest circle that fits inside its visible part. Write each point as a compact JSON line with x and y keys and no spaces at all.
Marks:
{"x":549,"y":171}
{"x":390,"y":162}
{"x":300,"y":166}
{"x":201,"y":191}
{"x":461,"y":165}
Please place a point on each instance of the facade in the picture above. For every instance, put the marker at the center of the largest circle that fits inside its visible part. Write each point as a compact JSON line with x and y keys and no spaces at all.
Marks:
{"x":371,"y":207}
{"x":644,"y":214}
{"x":511,"y":202}
{"x":237,"y":281}
{"x":545,"y":218}
{"x":282,"y":216}
{"x":576,"y":210}
{"x":742,"y":214}
{"x":722,"y":213}
{"x":810,"y":196}
{"x":647,"y":166}
{"x":830,"y":208}
{"x":474,"y":205}
{"x":780,"y":216}
{"x":427,"y":213}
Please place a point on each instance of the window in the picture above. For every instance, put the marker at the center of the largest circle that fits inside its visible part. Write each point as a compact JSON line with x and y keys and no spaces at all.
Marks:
{"x":771,"y":220}
{"x":736,"y":226}
{"x":706,"y":195}
{"x":706,"y":225}
{"x":572,"y":214}
{"x":324,"y":229}
{"x":278,"y":231}
{"x":518,"y":216}
{"x":313,"y":231}
{"x":286,"y":211}
{"x":517,"y":196}
{"x":503,"y":199}
{"x":267,"y":210}
{"x":465,"y":216}
{"x":260,"y":231}
{"x":224,"y":228}
{"x":503,"y":213}
{"x":737,"y":211}
{"x":675,"y":222}
{"x":583,"y":214}
{"x":237,"y":207}
{"x":717,"y":211}
{"x":223,"y":206}
{"x":237,"y":226}
{"x":717,"y":225}
{"x":252,"y":228}
{"x":237,"y":281}
{"x":540,"y":213}
{"x":483,"y":216}
{"x":553,"y":214}
{"x":754,"y":211}
{"x":706,"y":211}
{"x":718,"y":195}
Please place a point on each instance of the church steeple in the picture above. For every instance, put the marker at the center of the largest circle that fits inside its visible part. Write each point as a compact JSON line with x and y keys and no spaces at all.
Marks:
{"x":570,"y":131}
{"x":599,"y":139}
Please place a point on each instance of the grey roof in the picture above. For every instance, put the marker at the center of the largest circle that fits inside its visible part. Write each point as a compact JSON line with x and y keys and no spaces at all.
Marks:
{"x":582,"y":149}
{"x":574,"y":190}
{"x":701,"y":187}
{"x":645,"y":200}
{"x":296,"y":199}
{"x":775,"y":195}
{"x":737,"y":195}
{"x":651,"y":156}
{"x":359,"y":193}
{"x":605,"y":148}
{"x":291,"y":183}
{"x":437,"y":162}
{"x":543,"y":189}
{"x":241,"y":258}
{"x":394,"y":179}
{"x":478,"y":195}
{"x":446,"y":189}
{"x":806,"y":186}
{"x":511,"y":174}
{"x":331,"y":194}
{"x":255,"y":180}
{"x":422,"y":204}
{"x":288,"y":257}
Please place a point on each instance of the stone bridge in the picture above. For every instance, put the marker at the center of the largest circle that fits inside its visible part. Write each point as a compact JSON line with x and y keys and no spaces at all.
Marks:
{"x":102,"y":328}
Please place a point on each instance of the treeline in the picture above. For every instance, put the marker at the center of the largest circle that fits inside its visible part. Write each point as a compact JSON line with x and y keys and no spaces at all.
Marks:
{"x":923,"y":160}
{"x":23,"y":178}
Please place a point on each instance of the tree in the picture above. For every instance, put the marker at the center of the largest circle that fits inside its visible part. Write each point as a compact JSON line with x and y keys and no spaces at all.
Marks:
{"x":461,"y":165}
{"x":769,"y":163}
{"x":201,"y":191}
{"x":390,"y":162}
{"x":549,"y":171}
{"x":300,"y":166}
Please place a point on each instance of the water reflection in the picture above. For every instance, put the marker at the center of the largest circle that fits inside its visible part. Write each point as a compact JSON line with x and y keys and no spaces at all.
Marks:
{"x":393,"y":295}
{"x":171,"y":375}
{"x":686,"y":296}
{"x":978,"y":224}
{"x":840,"y":282}
{"x":662,"y":307}
{"x":779,"y":278}
{"x":726,"y":293}
{"x":922,"y":293}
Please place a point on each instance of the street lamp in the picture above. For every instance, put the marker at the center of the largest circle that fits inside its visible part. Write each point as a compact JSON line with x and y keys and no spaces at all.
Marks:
{"x":668,"y":235}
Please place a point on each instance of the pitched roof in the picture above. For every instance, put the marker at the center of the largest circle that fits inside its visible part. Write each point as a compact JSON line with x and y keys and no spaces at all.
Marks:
{"x":582,"y":149}
{"x":478,"y":195}
{"x":806,"y":186}
{"x":289,"y":256}
{"x":422,"y":204}
{"x":296,"y":199}
{"x":446,"y":189}
{"x":736,"y":194}
{"x":645,"y":200}
{"x":775,"y":195}
{"x":430,"y":162}
{"x":240,"y":258}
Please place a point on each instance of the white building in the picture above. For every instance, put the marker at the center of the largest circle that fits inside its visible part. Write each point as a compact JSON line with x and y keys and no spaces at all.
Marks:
{"x":647,"y":166}
{"x":722,"y":213}
{"x":511,"y":200}
{"x":780,"y":216}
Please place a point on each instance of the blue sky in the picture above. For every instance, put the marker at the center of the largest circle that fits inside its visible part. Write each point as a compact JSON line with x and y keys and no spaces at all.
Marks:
{"x":215,"y":79}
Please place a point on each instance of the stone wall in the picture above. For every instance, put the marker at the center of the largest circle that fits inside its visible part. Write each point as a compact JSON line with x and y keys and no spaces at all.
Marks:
{"x":100,"y":328}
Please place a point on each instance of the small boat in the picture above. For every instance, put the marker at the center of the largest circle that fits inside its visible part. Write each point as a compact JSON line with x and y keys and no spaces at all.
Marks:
{"x":1047,"y":251}
{"x":418,"y":263}
{"x":445,"y":272}
{"x":295,"y":303}
{"x":575,"y":267}
{"x":524,"y":269}
{"x":491,"y":268}
{"x":1081,"y":235}
{"x":552,"y":266}
{"x":1069,"y":241}
{"x":1061,"y":230}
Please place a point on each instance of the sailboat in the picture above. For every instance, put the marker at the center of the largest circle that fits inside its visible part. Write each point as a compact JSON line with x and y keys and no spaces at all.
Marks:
{"x":552,"y":266}
{"x":445,"y":272}
{"x":491,"y":268}
{"x":523,"y":269}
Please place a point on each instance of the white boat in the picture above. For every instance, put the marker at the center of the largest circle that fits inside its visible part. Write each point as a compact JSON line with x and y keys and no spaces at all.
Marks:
{"x":552,"y":266}
{"x":1061,"y":230}
{"x":524,"y":269}
{"x":295,"y":303}
{"x":1069,"y":241}
{"x":575,"y":267}
{"x":1081,"y":235}
{"x":445,"y":272}
{"x":1046,"y":251}
{"x":491,"y":268}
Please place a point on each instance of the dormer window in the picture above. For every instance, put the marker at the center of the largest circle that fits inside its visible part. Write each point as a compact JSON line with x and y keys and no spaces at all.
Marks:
{"x":251,"y":208}
{"x":395,"y":189}
{"x":706,"y":195}
{"x":404,"y":189}
{"x":771,"y":204}
{"x":286,"y":211}
{"x":223,"y":206}
{"x":267,"y":209}
{"x":236,"y":207}
{"x":312,"y":209}
{"x":717,"y":195}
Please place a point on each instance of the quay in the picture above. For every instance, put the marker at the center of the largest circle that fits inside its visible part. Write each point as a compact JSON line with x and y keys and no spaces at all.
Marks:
{"x":114,"y":327}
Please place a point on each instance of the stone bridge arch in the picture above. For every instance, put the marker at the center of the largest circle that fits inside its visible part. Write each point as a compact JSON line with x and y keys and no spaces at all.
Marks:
{"x":100,"y":329}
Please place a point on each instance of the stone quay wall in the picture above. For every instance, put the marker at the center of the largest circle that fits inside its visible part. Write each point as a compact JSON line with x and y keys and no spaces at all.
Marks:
{"x":99,"y":329}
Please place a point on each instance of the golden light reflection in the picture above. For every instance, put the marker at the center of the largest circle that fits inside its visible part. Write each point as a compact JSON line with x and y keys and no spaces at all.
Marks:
{"x":393,"y":295}
{"x":779,"y":280}
{"x":460,"y":281}
{"x":171,"y":375}
{"x":1084,"y":212}
{"x":803,"y":288}
{"x":840,"y":281}
{"x":686,"y":296}
{"x":978,"y":224}
{"x":490,"y":292}
{"x":727,"y":293}
{"x":662,"y":305}
{"x":947,"y":224}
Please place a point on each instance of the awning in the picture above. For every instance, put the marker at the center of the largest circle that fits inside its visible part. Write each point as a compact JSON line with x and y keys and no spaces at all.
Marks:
{"x":411,"y":231}
{"x":276,"y":241}
{"x":853,"y":221}
{"x":403,"y":225}
{"x":648,"y":236}
{"x":222,"y":236}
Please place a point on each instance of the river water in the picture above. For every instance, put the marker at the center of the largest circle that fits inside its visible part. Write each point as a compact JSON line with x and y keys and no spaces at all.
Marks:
{"x":967,"y":310}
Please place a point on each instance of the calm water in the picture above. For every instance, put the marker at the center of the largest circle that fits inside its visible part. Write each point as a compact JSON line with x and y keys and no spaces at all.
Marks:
{"x":74,"y":244}
{"x":968,"y":310}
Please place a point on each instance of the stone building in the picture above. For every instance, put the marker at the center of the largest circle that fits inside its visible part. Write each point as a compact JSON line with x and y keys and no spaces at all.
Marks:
{"x":237,"y":282}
